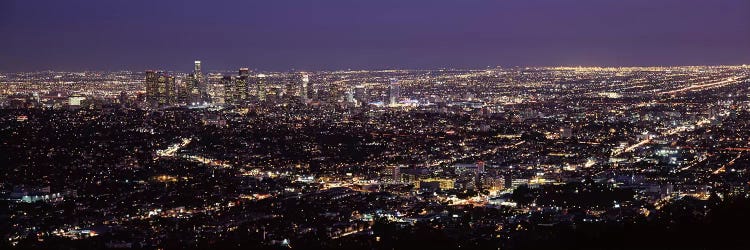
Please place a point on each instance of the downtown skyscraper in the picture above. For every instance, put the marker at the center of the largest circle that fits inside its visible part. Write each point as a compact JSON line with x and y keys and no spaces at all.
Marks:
{"x":160,"y":89}
{"x":236,"y":91}
{"x":394,"y":92}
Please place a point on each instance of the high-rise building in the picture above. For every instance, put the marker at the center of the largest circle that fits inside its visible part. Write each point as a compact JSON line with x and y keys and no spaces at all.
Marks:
{"x":160,"y":89}
{"x":197,"y":84}
{"x":241,"y":83}
{"x":349,"y":96}
{"x":297,"y":87}
{"x":198,"y":76}
{"x":229,"y":90}
{"x":236,"y":91}
{"x":260,"y":83}
{"x":394,"y":92}
{"x":215,"y":88}
{"x":360,"y":93}
{"x":397,"y":174}
{"x":152,"y":86}
{"x":184,"y":89}
{"x":304,"y":88}
{"x":169,"y":89}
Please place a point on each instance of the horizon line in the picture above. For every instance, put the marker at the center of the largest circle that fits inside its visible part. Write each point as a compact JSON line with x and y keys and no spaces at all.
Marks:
{"x":409,"y":69}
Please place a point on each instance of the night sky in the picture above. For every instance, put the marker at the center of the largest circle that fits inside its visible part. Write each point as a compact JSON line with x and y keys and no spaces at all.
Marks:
{"x":281,"y":35}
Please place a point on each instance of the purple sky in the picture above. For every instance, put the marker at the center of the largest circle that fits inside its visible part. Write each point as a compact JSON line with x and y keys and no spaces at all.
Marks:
{"x":369,"y":34}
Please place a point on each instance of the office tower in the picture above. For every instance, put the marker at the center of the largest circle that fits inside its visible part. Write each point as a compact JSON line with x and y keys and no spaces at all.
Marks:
{"x":184,"y":90}
{"x":240,"y":86}
{"x":196,"y":91}
{"x":394,"y":92}
{"x":215,"y":89}
{"x":152,"y":87}
{"x":298,"y":87}
{"x":198,"y":76}
{"x":360,"y":93}
{"x":160,"y":89}
{"x":304,"y":88}
{"x":197,"y":84}
{"x":229,"y":90}
{"x":260,"y":84}
{"x":197,"y":68}
{"x":291,"y":86}
{"x":169,"y":87}
{"x":349,"y":95}
{"x":479,"y":172}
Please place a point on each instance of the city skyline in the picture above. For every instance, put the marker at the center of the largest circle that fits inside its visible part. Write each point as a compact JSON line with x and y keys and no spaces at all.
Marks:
{"x":476,"y":159}
{"x":391,"y":124}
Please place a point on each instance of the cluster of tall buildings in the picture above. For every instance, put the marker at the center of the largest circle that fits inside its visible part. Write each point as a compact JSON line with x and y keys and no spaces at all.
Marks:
{"x":160,"y":88}
{"x":246,"y":87}
{"x":163,"y":89}
{"x":192,"y":89}
{"x":235,"y":88}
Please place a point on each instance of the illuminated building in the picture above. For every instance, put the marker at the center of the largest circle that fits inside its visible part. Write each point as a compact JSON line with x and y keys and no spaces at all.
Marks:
{"x":230,"y":89}
{"x":297,"y":86}
{"x":304,"y":88}
{"x":260,"y":84}
{"x":397,"y":174}
{"x":152,"y":86}
{"x":394,"y":92}
{"x":240,"y":85}
{"x":360,"y":93}
{"x":193,"y":88}
{"x":160,"y":89}
{"x":183,"y":89}
{"x":236,"y":91}
{"x":75,"y":100}
{"x":432,"y":183}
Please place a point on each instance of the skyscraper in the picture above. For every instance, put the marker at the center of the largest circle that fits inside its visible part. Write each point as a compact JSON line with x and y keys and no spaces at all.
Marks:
{"x":183,"y":89}
{"x":260,"y":84}
{"x":197,"y":84}
{"x":236,"y":87}
{"x":170,"y":95}
{"x":297,"y":87}
{"x":360,"y":93}
{"x":197,"y":68}
{"x":240,"y":87}
{"x":160,"y":89}
{"x":394,"y":92}
{"x":397,"y":174}
{"x":152,"y":87}
{"x":229,"y":90}
{"x":349,"y":96}
{"x":304,"y":82}
{"x":215,"y":88}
